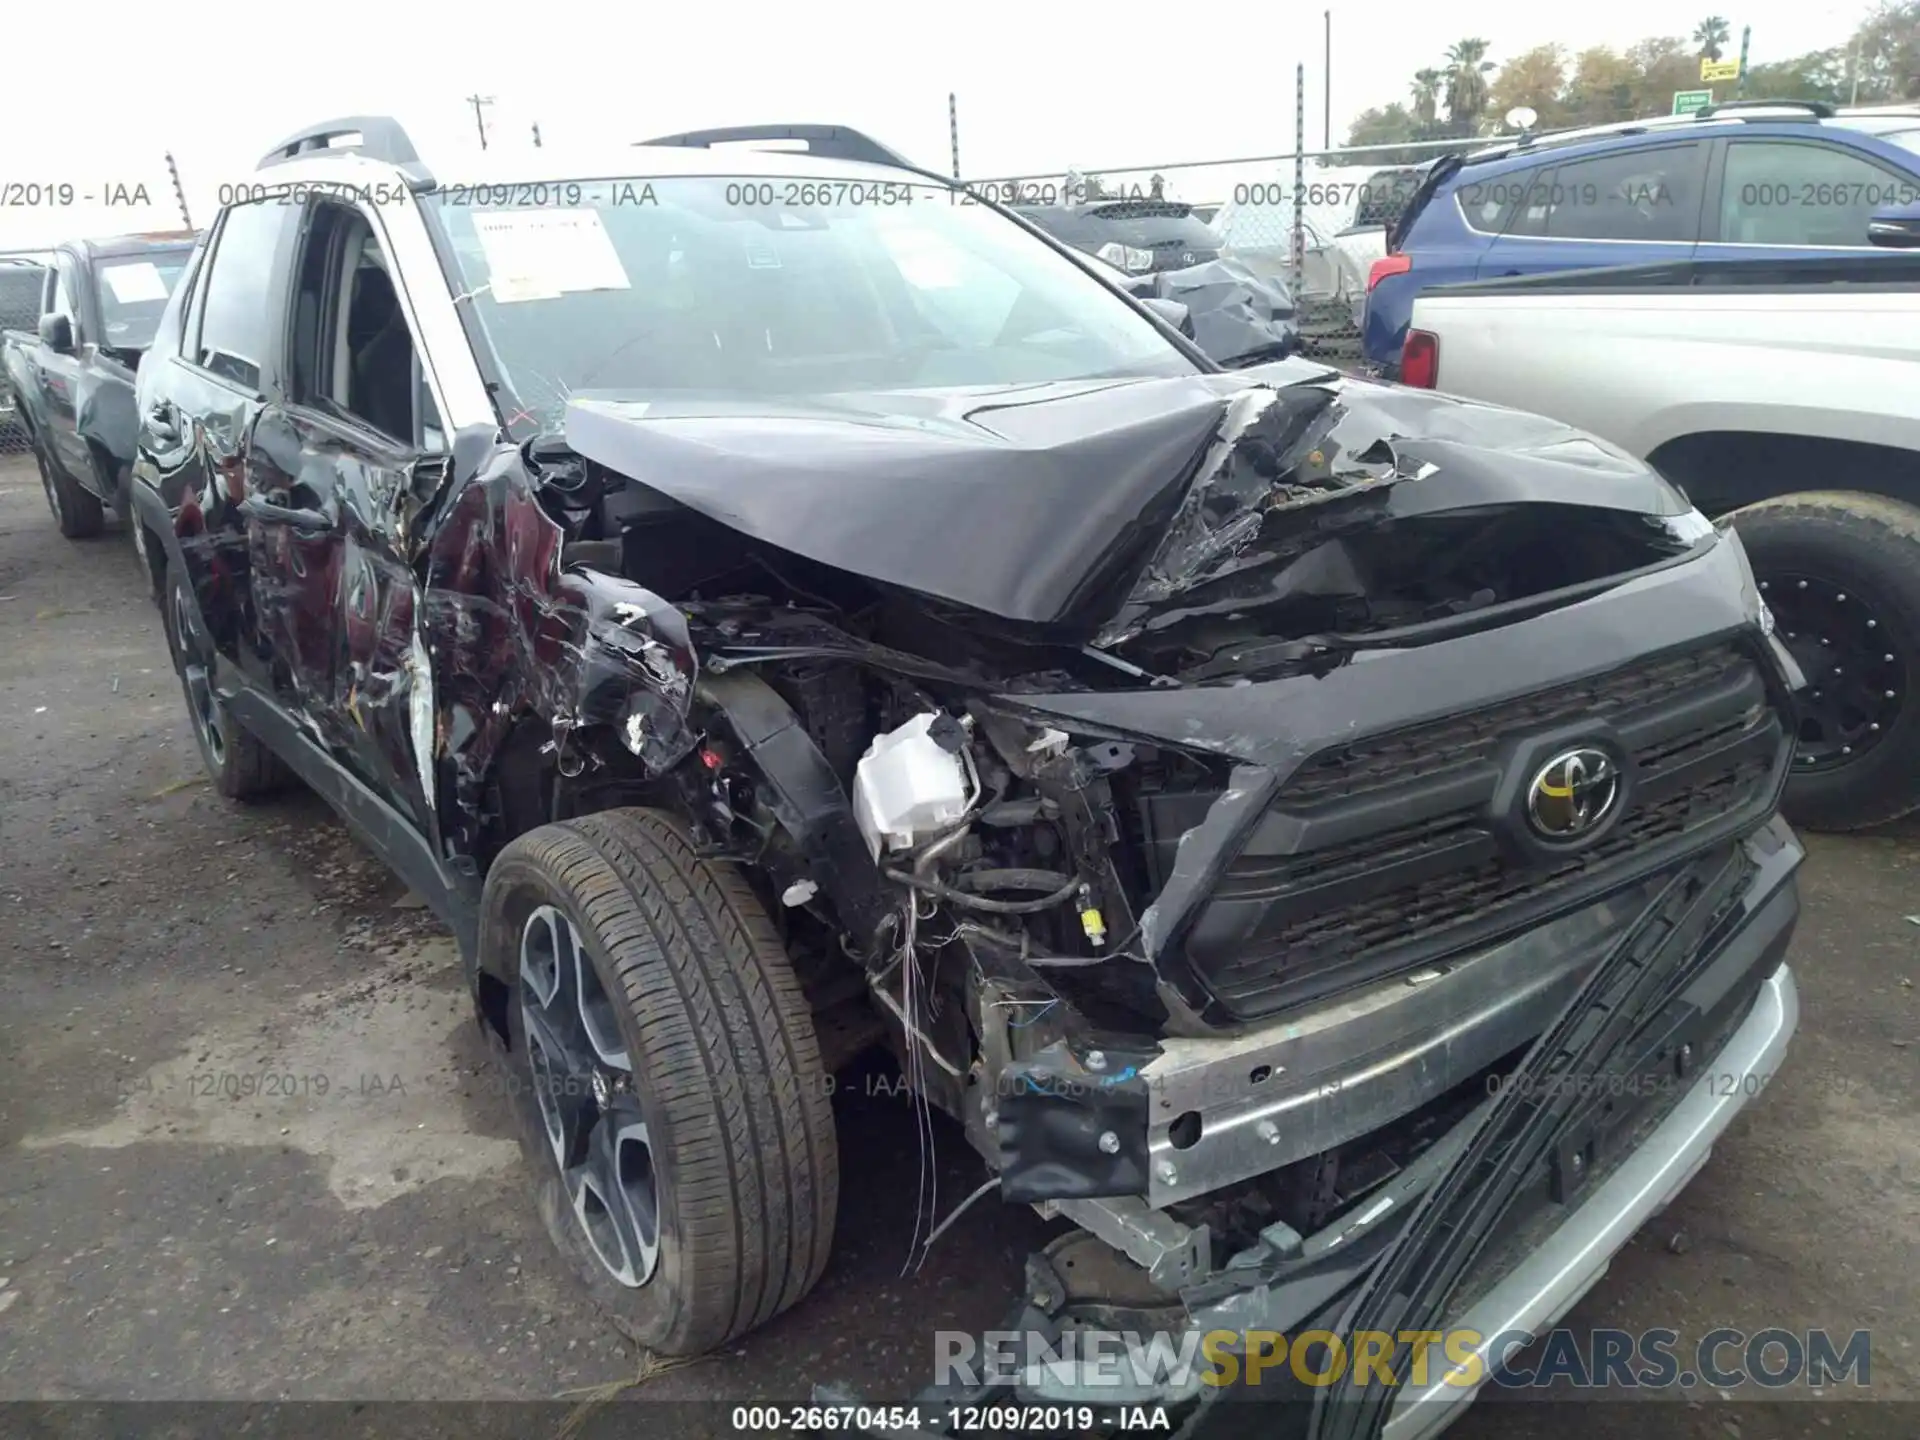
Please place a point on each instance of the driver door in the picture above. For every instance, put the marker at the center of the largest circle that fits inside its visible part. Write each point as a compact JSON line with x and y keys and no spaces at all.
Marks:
{"x":334,"y":461}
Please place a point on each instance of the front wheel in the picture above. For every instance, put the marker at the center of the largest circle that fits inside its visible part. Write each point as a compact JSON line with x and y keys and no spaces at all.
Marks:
{"x":1841,"y":574}
{"x":665,"y":1076}
{"x":150,"y":557}
{"x":76,"y":509}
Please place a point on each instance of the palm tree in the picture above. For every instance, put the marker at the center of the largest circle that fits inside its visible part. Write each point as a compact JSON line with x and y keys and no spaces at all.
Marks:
{"x":1466,"y":75}
{"x":1426,"y":94}
{"x":1712,"y":34}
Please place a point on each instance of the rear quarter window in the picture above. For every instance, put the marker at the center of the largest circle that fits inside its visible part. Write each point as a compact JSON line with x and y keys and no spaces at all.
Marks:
{"x":1641,"y":193}
{"x":1489,"y":205}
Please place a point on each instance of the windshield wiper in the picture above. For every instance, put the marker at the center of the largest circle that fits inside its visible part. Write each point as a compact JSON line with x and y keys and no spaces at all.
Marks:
{"x":1277,"y":350}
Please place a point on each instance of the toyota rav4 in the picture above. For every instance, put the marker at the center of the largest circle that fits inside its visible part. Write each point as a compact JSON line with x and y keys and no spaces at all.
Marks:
{"x":1317,"y":838}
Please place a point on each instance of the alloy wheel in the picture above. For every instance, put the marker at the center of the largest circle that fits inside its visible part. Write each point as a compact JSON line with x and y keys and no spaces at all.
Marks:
{"x":1857,"y":677}
{"x":583,"y":1083}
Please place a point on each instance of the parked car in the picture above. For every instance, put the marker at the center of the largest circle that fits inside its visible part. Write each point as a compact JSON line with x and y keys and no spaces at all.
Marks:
{"x":753,"y":604}
{"x":1137,"y":235}
{"x":1782,"y":397}
{"x":1747,"y":182}
{"x":72,"y":373}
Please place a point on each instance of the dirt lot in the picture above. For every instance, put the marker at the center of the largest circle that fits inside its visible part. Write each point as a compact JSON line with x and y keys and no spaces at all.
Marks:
{"x":184,"y":1215}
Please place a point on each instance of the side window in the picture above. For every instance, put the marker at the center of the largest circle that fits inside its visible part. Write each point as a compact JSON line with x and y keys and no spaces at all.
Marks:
{"x":353,"y":351}
{"x":64,"y":290}
{"x":1528,"y":200}
{"x":1638,"y":194}
{"x":181,"y":307}
{"x":1490,"y":206}
{"x":1785,"y":192}
{"x":235,"y":315}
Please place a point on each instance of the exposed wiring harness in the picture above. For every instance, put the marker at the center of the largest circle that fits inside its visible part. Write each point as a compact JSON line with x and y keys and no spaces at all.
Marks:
{"x":1065,"y":888}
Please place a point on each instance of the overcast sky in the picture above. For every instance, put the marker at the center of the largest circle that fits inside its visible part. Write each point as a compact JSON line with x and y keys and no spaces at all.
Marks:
{"x":1041,"y":86}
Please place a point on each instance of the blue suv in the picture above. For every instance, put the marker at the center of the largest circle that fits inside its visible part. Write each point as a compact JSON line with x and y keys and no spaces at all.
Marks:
{"x":1747,"y":180}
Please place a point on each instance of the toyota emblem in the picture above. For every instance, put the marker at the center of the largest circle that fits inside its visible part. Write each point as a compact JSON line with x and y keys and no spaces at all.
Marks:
{"x":1573,"y":794}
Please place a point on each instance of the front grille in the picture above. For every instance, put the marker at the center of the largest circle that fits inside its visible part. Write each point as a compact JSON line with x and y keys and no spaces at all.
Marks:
{"x":1385,"y":759}
{"x":1325,"y":896}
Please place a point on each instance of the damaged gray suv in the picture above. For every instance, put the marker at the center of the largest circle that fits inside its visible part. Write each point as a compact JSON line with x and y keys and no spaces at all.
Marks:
{"x":1317,"y":838}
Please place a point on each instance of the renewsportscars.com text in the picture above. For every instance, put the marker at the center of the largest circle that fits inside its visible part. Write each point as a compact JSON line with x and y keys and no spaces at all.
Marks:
{"x":1770,"y":1359}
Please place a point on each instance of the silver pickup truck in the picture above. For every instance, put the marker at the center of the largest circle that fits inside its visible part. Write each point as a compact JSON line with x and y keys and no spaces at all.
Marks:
{"x":1785,"y":396}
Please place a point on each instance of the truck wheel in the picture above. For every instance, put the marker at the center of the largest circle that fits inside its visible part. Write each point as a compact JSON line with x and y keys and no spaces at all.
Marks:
{"x":665,"y":1077}
{"x":151,"y":557}
{"x":1841,"y":573}
{"x":76,"y":510}
{"x":240,"y":766}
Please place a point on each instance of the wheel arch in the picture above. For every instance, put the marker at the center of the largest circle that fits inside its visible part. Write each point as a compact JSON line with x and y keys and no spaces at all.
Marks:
{"x":1723,"y":470}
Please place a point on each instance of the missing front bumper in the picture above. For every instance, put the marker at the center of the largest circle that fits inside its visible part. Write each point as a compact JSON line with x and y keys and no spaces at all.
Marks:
{"x":1732,"y":1019}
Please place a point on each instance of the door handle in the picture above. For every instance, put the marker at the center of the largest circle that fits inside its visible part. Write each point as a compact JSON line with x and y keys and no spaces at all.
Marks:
{"x":163,"y":421}
{"x":266,"y":512}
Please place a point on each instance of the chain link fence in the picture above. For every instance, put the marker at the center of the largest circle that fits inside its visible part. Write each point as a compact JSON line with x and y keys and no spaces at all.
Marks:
{"x":21,"y":274}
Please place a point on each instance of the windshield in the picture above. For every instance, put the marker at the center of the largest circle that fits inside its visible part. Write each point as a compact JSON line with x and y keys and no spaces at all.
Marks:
{"x":1905,"y":139}
{"x":773,"y":288}
{"x":133,"y":295}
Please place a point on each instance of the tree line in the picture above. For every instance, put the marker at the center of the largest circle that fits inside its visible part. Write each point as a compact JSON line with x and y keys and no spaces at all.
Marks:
{"x":1469,"y":93}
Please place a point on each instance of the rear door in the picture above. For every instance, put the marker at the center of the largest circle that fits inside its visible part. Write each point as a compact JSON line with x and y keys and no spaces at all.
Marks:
{"x":1635,"y":206}
{"x":1777,"y":197}
{"x":197,"y":415}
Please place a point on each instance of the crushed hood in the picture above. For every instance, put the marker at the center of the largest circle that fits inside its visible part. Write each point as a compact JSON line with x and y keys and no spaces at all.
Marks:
{"x":1086,"y":504}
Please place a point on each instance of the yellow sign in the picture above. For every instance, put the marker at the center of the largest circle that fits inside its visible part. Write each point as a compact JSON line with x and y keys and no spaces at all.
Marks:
{"x":1712,"y":70}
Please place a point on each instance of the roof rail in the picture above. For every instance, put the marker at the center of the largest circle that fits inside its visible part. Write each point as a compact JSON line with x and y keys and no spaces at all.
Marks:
{"x":378,"y":137}
{"x":1819,"y":109}
{"x":830,"y":142}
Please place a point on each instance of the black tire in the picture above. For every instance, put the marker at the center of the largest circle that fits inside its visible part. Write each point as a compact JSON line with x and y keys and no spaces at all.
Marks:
{"x":722,"y":1065}
{"x":240,"y":766}
{"x":1870,"y":547}
{"x":77,"y":511}
{"x":150,"y":556}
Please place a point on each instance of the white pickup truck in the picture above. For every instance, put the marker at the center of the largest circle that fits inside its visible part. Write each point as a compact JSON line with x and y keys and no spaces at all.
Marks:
{"x":1784,"y":395}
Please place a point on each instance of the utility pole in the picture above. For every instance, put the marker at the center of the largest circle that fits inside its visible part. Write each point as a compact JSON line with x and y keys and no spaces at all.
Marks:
{"x":1298,"y":255}
{"x":953,"y":130}
{"x":1326,"y":132}
{"x":179,"y":193}
{"x":479,"y":120}
{"x":1740,"y":85}
{"x":1854,"y":66}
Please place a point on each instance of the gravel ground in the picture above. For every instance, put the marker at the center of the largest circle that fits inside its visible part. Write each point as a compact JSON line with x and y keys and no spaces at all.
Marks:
{"x":184,"y":1216}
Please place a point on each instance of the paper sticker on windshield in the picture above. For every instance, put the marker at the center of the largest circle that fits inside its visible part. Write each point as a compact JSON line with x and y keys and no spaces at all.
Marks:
{"x":132,"y":284}
{"x":541,"y":254}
